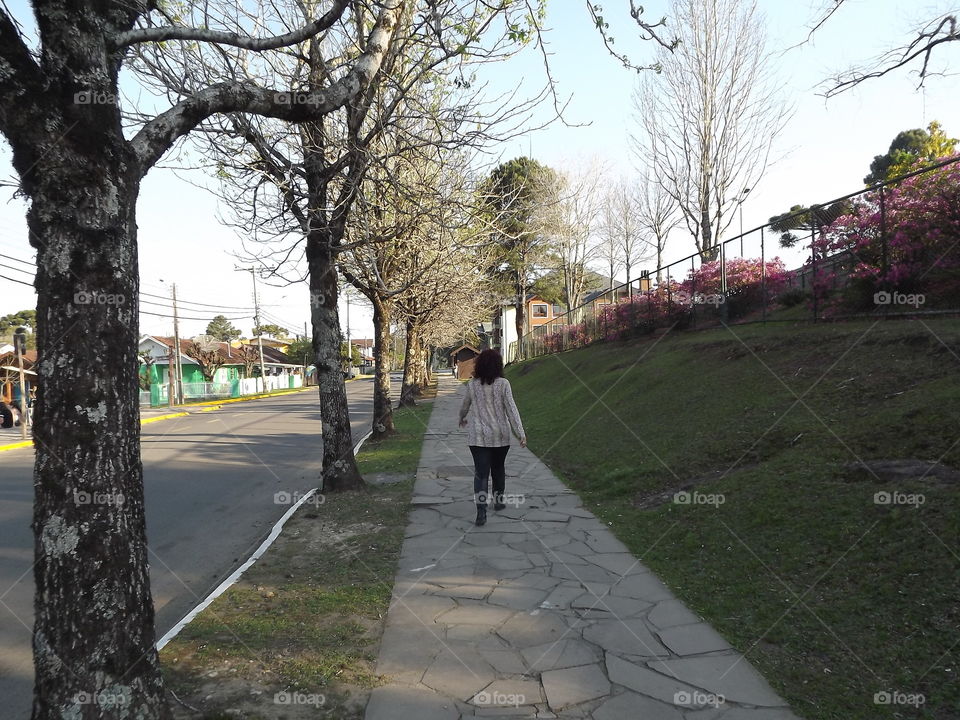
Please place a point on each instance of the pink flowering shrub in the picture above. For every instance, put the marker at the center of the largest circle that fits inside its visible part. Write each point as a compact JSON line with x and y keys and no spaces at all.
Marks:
{"x":921,"y":253}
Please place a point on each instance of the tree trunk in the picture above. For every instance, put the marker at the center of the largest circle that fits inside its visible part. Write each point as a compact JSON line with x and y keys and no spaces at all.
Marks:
{"x":382,"y":402}
{"x":94,"y":653}
{"x":521,"y":307}
{"x":408,"y":390}
{"x":339,"y":466}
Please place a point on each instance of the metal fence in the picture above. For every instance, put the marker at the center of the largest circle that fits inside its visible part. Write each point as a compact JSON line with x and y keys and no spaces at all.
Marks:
{"x":891,"y":249}
{"x":158,"y":395}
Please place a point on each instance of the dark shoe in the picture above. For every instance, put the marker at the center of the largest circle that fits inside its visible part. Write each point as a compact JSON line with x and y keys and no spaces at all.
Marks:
{"x":498,"y":503}
{"x":481,"y":515}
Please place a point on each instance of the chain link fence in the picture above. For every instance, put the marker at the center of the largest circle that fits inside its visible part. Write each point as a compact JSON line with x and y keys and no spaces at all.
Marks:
{"x":891,"y":250}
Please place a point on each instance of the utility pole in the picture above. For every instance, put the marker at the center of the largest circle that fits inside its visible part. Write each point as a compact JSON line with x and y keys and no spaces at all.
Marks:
{"x":170,"y":386}
{"x":178,"y":390}
{"x":305,"y":336}
{"x":256,"y":321}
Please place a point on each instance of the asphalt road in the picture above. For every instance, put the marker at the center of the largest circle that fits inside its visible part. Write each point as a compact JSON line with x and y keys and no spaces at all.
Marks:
{"x":211,"y":482}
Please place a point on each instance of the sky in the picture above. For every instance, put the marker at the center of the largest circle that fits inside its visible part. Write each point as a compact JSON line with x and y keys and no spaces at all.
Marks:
{"x":823,"y":152}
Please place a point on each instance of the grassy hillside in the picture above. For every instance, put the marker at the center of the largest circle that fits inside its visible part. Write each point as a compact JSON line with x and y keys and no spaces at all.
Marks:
{"x":834,"y":597}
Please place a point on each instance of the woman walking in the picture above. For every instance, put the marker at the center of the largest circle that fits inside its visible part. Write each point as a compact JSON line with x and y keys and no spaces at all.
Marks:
{"x":495,"y":414}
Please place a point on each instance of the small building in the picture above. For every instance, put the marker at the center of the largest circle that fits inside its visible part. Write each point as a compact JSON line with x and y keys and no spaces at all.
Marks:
{"x":463,"y":358}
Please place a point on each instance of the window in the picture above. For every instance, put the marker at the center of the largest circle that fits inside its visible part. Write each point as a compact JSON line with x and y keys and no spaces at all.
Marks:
{"x":538,"y":310}
{"x":557,"y":311}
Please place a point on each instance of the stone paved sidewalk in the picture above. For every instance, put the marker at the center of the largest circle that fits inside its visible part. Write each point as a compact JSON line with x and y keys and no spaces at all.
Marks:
{"x":542,"y":612}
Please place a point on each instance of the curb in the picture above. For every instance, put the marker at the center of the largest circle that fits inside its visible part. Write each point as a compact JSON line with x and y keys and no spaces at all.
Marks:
{"x":17,"y":445}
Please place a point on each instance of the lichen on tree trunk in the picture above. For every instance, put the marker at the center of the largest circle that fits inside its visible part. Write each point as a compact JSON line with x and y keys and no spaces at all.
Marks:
{"x":94,"y":653}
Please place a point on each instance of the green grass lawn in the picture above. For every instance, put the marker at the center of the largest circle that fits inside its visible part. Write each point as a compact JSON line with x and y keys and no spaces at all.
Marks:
{"x":832,"y":596}
{"x":307,"y":617}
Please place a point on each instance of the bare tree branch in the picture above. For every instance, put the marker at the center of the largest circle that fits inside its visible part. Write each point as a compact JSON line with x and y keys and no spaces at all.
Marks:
{"x":245,"y":42}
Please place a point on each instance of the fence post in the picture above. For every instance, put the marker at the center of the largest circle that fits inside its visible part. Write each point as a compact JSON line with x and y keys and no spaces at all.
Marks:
{"x":883,"y":237}
{"x":693,"y":289}
{"x":813,"y":266}
{"x":763,"y":275}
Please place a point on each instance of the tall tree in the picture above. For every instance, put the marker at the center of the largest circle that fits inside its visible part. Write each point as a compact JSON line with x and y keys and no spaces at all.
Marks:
{"x":513,"y":197}
{"x":907,"y":149}
{"x":657,"y":217}
{"x":297,"y":189}
{"x":222,"y":329}
{"x":707,"y":122}
{"x":274,"y":331}
{"x":568,"y":216}
{"x":80,"y":169}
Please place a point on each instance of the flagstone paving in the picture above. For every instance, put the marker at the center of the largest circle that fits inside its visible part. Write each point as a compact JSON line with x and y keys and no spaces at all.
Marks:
{"x":542,"y":612}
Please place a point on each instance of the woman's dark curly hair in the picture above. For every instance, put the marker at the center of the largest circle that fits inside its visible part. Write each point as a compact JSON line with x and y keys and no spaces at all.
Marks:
{"x":488,"y":367}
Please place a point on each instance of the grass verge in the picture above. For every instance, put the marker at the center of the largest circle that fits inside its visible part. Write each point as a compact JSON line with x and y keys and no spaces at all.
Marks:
{"x":729,"y":462}
{"x":297,"y":636}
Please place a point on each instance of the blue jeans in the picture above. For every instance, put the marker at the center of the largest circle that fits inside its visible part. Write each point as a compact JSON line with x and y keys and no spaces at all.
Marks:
{"x":488,"y":461}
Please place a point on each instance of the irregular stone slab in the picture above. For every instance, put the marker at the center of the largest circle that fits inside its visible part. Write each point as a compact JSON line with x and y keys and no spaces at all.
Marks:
{"x":643,"y":680}
{"x":391,"y":701}
{"x":644,"y":587}
{"x":473,"y":591}
{"x":629,"y":637}
{"x":693,"y":639}
{"x":569,"y":652}
{"x":668,"y":613}
{"x":475,"y":613}
{"x":630,"y":706}
{"x":722,"y":675}
{"x":505,"y":662}
{"x":526,"y":630}
{"x":583,"y":573}
{"x":573,"y":686}
{"x":618,"y":563}
{"x":419,"y":611}
{"x":562,"y":595}
{"x":603,"y":541}
{"x":459,"y":672}
{"x":618,"y":607}
{"x":517,"y":598}
{"x":509,"y":693}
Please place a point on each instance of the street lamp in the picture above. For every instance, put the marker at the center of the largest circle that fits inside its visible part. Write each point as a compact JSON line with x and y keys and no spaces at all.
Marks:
{"x":743,"y":197}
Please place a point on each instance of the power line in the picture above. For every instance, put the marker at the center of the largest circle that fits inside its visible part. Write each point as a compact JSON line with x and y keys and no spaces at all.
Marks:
{"x":11,"y":267}
{"x":11,"y":257}
{"x":30,"y":285}
{"x":182,"y":317}
{"x":188,"y":302}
